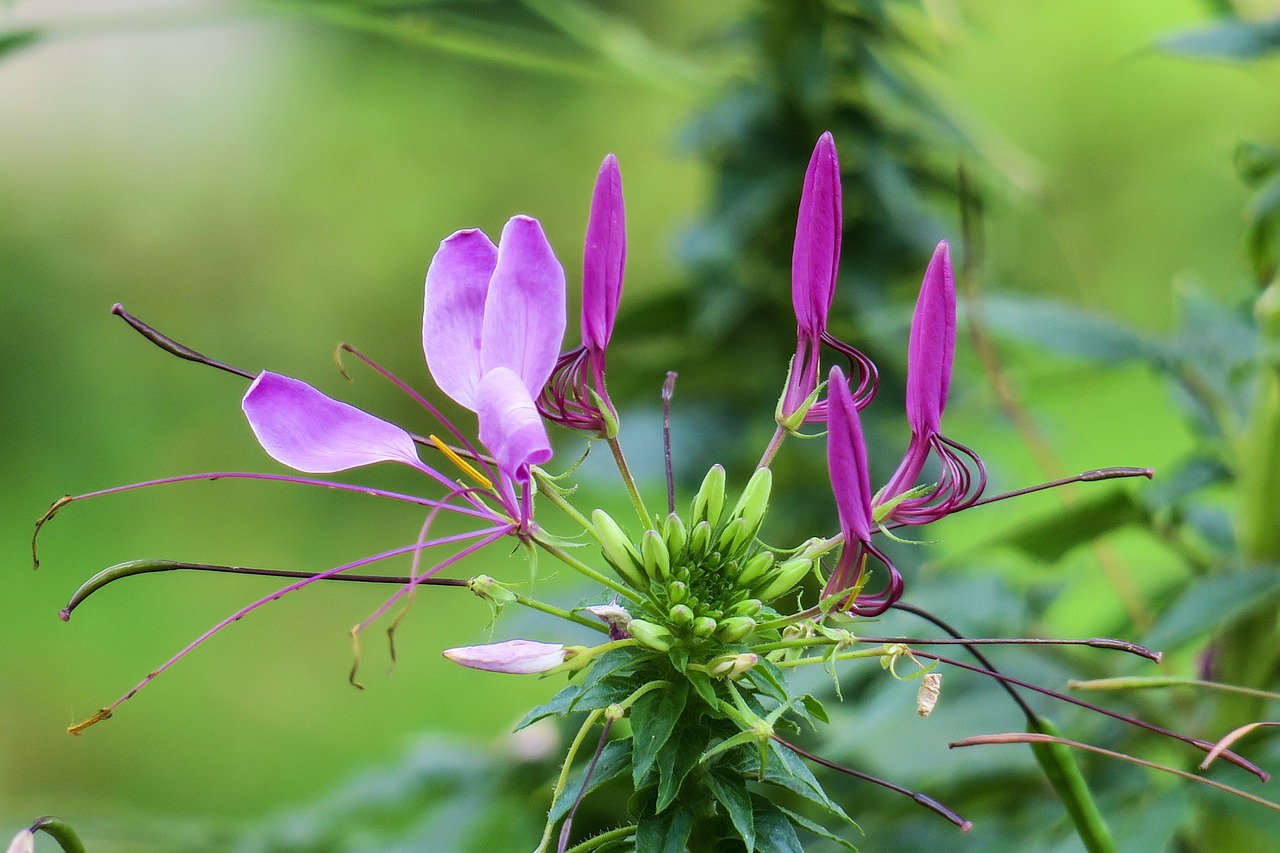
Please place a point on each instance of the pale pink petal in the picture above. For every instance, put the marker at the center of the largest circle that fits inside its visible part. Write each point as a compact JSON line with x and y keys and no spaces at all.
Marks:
{"x":518,"y":657}
{"x":510,"y":425}
{"x":524,"y":309}
{"x":816,"y":256}
{"x":23,"y":842}
{"x":457,"y":282}
{"x":604,"y":256}
{"x":931,"y":346}
{"x":304,"y":429}
{"x":847,"y":461}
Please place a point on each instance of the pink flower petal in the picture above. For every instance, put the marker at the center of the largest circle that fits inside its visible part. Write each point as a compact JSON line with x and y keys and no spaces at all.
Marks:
{"x":847,"y":461}
{"x":604,"y":257}
{"x":519,"y":657}
{"x":304,"y":429}
{"x":932,"y":345}
{"x":816,"y":256}
{"x":524,"y":310}
{"x":457,"y":282}
{"x":510,"y":425}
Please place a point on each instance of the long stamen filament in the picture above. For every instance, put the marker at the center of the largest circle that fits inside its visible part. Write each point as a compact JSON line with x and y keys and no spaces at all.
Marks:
{"x":465,"y":466}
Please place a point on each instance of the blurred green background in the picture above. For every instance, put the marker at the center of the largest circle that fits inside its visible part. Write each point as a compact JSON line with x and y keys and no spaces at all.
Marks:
{"x":263,"y":185}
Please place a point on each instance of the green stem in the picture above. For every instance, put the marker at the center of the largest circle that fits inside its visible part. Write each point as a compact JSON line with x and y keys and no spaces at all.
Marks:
{"x":863,"y":653}
{"x":552,"y":610}
{"x":1149,"y":682}
{"x":585,"y":570}
{"x":551,"y":493}
{"x":636,"y":500}
{"x":587,"y":725}
{"x":603,"y":838}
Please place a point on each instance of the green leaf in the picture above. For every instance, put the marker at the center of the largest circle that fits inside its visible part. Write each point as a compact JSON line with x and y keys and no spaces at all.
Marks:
{"x":664,"y":833}
{"x":703,"y":685}
{"x":1049,"y":538}
{"x":557,"y":705}
{"x":768,"y":679}
{"x":1064,"y":774}
{"x":813,"y":708}
{"x":680,"y":755}
{"x":595,"y":690}
{"x":1211,"y":604}
{"x":731,"y":792}
{"x":15,"y":40}
{"x":614,"y":760}
{"x":818,"y":829}
{"x":653,"y":717}
{"x":1065,"y":329}
{"x":1255,"y":161}
{"x":774,"y":832}
{"x":1230,"y":39}
{"x":790,"y":772}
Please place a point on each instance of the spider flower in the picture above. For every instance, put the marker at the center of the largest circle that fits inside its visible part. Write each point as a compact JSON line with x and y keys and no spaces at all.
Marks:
{"x":847,"y":462}
{"x":576,"y":396}
{"x":930,"y":350}
{"x":815,"y":262}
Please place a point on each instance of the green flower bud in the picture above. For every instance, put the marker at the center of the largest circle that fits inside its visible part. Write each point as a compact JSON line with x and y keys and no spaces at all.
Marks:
{"x":709,"y":502}
{"x":677,"y":591}
{"x":731,"y":666}
{"x":618,"y":550}
{"x":680,"y":615}
{"x":657,"y":560}
{"x":700,"y":540}
{"x":755,"y":568}
{"x":675,"y":534}
{"x":733,"y":532}
{"x":747,"y":607}
{"x":703,"y":626}
{"x":735,"y":628}
{"x":651,"y":635}
{"x":787,"y":576}
{"x":754,"y":502}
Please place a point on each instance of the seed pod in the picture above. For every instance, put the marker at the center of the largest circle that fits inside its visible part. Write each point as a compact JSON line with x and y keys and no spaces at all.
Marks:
{"x":700,"y":540}
{"x":680,"y":615}
{"x":657,"y":560}
{"x":651,"y":635}
{"x":703,"y":626}
{"x":755,"y":568}
{"x":618,"y":550}
{"x":677,"y":591}
{"x":735,"y":628}
{"x":927,"y":695}
{"x":709,"y":502}
{"x":733,"y":531}
{"x":754,"y":501}
{"x":675,"y":534}
{"x":787,"y":575}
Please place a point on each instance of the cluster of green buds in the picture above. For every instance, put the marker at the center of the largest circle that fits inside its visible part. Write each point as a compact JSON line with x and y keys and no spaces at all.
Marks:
{"x":708,"y":579}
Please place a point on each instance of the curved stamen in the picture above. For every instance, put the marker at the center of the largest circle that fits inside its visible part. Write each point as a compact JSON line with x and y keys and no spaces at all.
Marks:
{"x":962,"y":479}
{"x":861,"y":366}
{"x":566,"y":399}
{"x":849,"y":570}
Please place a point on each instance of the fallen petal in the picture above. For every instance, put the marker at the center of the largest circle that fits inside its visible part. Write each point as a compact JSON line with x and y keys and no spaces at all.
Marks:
{"x":518,"y":657}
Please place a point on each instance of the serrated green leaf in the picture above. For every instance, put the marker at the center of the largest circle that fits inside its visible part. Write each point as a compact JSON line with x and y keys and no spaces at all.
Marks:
{"x":1210,"y":604}
{"x":1059,"y":765}
{"x":768,"y":679}
{"x":1049,"y":538}
{"x":1231,"y":39}
{"x":653,"y":717}
{"x":818,"y":829}
{"x":614,"y":760}
{"x":664,"y":833}
{"x":1065,"y":329}
{"x":774,"y":832}
{"x":680,"y":755}
{"x":731,"y":792}
{"x":814,"y":708}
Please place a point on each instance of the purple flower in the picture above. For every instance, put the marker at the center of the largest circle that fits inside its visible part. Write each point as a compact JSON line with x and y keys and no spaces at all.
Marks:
{"x":847,"y":462}
{"x":519,"y":657}
{"x":814,"y":265}
{"x":929,"y":355}
{"x":576,"y":397}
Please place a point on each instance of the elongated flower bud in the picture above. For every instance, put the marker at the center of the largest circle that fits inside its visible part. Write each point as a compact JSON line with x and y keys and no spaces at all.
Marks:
{"x":731,"y":666}
{"x":788,"y":574}
{"x":513,"y":656}
{"x":754,"y":501}
{"x":735,"y":628}
{"x":618,"y":550}
{"x":734,"y":532}
{"x":651,"y":635}
{"x":657,"y":561}
{"x":709,"y":502}
{"x":700,"y":540}
{"x":675,"y":534}
{"x":755,"y":568}
{"x":747,"y":607}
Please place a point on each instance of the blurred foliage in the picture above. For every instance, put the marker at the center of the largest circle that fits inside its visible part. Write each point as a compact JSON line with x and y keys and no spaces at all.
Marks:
{"x":1237,"y":40}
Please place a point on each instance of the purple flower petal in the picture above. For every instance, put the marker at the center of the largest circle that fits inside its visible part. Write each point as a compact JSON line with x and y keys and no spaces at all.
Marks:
{"x":510,"y":425}
{"x":847,"y":461}
{"x":524,"y":309}
{"x":304,"y":429}
{"x":518,"y":657}
{"x":457,"y":282}
{"x":817,"y":248}
{"x":932,"y":345}
{"x":603,"y":257}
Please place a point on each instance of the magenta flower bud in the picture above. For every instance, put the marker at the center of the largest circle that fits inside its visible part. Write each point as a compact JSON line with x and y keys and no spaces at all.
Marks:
{"x":519,"y":657}
{"x":604,"y":256}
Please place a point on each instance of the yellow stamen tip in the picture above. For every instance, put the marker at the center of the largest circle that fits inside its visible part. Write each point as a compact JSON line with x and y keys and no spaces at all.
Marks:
{"x":463,"y":465}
